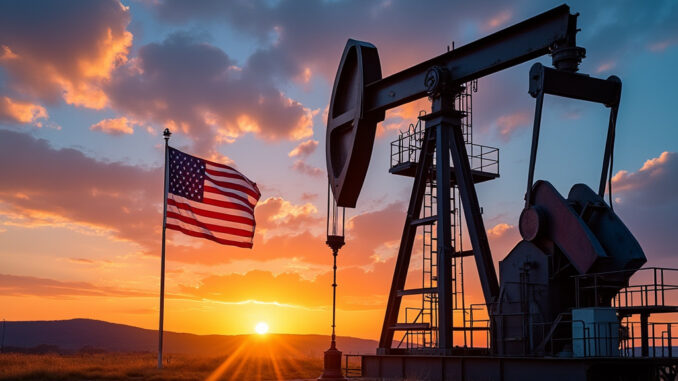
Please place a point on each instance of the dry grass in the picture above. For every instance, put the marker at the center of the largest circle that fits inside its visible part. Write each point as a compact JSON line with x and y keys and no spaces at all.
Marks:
{"x":120,"y":366}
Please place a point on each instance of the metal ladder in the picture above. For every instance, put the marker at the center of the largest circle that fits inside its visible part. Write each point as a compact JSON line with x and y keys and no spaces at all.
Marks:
{"x":427,"y":315}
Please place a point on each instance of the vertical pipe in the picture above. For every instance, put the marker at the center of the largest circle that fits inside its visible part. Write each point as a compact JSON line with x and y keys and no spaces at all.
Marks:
{"x":535,"y":144}
{"x":166,"y":134}
{"x":668,"y":338}
{"x":645,"y":350}
{"x":609,"y":149}
{"x":444,"y":224}
{"x":655,"y":285}
{"x":334,"y":294}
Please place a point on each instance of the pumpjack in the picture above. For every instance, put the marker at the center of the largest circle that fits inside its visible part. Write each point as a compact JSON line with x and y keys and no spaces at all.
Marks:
{"x":564,"y":305}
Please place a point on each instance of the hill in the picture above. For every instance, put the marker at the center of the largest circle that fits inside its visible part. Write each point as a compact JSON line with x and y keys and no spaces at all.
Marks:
{"x":68,"y":336}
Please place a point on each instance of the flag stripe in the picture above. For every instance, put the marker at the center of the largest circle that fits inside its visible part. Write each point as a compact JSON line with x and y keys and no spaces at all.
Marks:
{"x":228,"y":189}
{"x":227,"y":204}
{"x":219,"y":165}
{"x":212,"y":212}
{"x":246,"y":245}
{"x":216,"y":171}
{"x":199,"y":229}
{"x":234,"y":185}
{"x":237,"y":180}
{"x":199,"y":222}
{"x":209,"y":220}
{"x":215,"y":194}
{"x":210,"y":200}
{"x":223,"y":173}
{"x":241,"y":184}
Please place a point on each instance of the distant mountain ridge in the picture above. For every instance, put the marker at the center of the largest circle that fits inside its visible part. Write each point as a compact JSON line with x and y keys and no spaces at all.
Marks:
{"x":75,"y":335}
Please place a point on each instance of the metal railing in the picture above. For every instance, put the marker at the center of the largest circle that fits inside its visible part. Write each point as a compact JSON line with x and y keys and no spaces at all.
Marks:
{"x":660,"y":338}
{"x":406,"y":148}
{"x":649,"y":287}
{"x":353,"y":368}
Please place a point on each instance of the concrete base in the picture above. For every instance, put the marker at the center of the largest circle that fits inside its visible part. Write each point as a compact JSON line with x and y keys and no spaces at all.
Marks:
{"x":332,"y":370}
{"x":471,"y":368}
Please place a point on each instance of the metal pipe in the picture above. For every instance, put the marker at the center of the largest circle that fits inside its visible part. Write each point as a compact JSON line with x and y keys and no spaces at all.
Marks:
{"x":166,"y":134}
{"x":533,"y":150}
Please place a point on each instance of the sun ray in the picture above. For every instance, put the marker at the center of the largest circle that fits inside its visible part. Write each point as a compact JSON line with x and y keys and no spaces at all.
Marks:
{"x":221,"y":369}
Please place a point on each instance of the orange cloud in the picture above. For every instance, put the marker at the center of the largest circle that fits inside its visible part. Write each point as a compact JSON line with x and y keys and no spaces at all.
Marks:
{"x":195,"y":88}
{"x":647,"y":201}
{"x":307,"y":169}
{"x":606,"y":66}
{"x":499,"y":230}
{"x":502,"y":237}
{"x":117,"y":126}
{"x":276,"y":212}
{"x":15,"y":285}
{"x":304,"y":148}
{"x":21,"y":112}
{"x":66,"y":188}
{"x":655,"y":177}
{"x":499,"y":20}
{"x":359,"y":289}
{"x":400,"y":118}
{"x":67,"y":57}
{"x":509,"y":124}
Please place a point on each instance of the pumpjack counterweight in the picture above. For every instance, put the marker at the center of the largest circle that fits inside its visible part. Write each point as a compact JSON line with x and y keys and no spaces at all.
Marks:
{"x":565,"y":304}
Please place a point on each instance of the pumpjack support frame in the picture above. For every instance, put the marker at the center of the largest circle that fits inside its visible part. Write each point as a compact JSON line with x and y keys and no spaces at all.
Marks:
{"x":359,"y":100}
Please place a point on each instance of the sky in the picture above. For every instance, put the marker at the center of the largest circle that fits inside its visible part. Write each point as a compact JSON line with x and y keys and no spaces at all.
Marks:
{"x":87,"y":87}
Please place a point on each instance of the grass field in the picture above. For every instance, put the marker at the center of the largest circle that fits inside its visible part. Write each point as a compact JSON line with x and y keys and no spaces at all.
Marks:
{"x":117,"y":366}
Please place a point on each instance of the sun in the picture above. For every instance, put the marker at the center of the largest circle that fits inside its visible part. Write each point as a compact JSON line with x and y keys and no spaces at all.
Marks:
{"x":261,"y":328}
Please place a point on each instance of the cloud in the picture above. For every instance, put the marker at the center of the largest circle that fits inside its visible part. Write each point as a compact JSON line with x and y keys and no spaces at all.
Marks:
{"x":606,"y":66}
{"x":117,"y":126}
{"x":13,"y":111}
{"x":309,"y":196}
{"x":63,"y":187}
{"x":647,"y":201}
{"x":502,"y":237}
{"x":304,"y":149}
{"x":301,"y":40}
{"x":301,"y":166}
{"x":401,"y":118}
{"x":276,"y":212}
{"x":508,"y":125}
{"x":499,"y":230}
{"x":68,"y":56}
{"x":196,"y":89}
{"x":655,"y":182}
{"x":360,"y":289}
{"x":297,"y":232}
{"x":499,"y":20}
{"x":662,"y":45}
{"x":16,"y":285}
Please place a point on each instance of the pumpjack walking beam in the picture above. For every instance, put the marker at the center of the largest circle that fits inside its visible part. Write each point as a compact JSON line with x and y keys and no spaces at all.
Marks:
{"x":360,"y":98}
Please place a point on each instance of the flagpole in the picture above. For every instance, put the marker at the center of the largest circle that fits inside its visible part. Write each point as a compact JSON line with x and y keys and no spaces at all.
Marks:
{"x":166,"y":134}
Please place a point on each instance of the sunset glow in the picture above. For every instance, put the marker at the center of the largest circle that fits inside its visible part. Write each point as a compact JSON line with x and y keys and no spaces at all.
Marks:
{"x":86,"y":90}
{"x":261,"y":328}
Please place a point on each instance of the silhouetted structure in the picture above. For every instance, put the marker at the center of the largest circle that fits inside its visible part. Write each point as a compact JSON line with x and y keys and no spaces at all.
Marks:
{"x":560,"y":308}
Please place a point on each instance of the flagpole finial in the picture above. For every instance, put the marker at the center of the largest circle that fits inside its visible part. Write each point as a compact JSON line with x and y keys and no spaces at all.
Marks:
{"x":166,"y":133}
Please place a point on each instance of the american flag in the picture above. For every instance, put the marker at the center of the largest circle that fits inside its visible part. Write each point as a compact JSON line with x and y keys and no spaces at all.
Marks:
{"x":210,"y":200}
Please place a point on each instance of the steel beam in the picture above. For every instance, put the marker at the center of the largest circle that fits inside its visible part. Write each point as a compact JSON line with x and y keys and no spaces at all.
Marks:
{"x":474,"y":219}
{"x":509,"y":47}
{"x":443,"y":119}
{"x":406,"y":242}
{"x":544,"y":80}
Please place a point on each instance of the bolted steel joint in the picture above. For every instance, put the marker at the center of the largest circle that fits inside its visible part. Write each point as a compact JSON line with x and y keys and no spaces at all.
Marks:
{"x":568,"y":58}
{"x":437,"y":81}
